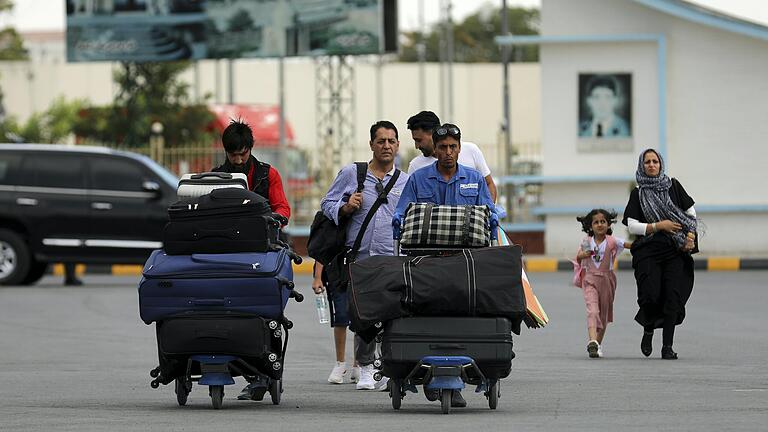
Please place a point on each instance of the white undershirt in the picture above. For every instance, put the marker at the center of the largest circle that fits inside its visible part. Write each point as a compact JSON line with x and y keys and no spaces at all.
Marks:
{"x":470,"y":155}
{"x":638,"y":228}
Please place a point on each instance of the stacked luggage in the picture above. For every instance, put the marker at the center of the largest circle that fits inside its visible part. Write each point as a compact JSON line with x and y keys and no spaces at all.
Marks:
{"x":218,"y":290}
{"x":445,"y":312}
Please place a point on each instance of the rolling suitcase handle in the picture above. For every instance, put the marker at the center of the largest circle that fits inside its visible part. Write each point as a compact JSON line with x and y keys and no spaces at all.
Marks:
{"x":221,"y":175}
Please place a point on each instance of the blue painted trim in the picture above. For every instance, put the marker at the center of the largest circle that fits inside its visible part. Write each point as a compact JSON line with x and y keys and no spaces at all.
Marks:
{"x":732,"y":208}
{"x":577,"y":210}
{"x":298,"y":231}
{"x":708,"y":17}
{"x":537,"y":40}
{"x":573,"y":210}
{"x":523,"y":227}
{"x":528,"y":179}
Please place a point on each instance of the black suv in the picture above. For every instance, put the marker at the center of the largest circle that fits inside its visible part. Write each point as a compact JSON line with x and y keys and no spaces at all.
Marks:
{"x":78,"y":204}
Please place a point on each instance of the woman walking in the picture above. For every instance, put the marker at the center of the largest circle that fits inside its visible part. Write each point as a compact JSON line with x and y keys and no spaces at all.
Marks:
{"x":660,"y":212}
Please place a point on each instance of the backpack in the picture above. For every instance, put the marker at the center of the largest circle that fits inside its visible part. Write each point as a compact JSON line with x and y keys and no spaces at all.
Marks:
{"x":326,"y":239}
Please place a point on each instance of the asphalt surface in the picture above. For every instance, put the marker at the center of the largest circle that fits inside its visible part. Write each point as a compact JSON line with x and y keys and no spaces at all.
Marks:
{"x":79,"y":359}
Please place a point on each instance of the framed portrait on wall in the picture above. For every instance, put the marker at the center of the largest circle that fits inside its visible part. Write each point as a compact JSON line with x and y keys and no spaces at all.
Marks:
{"x":605,"y":112}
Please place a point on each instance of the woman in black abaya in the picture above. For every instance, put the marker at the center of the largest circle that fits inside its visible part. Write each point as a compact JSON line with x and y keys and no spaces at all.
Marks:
{"x":660,"y":212}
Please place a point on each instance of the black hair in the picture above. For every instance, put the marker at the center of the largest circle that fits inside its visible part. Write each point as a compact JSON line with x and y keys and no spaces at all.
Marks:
{"x":606,"y":81}
{"x":237,"y":136}
{"x":586,"y":220}
{"x":437,"y":138}
{"x":425,"y":120}
{"x":382,"y":124}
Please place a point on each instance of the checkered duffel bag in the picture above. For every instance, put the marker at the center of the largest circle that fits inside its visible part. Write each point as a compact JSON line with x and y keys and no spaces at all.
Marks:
{"x":428,"y":225}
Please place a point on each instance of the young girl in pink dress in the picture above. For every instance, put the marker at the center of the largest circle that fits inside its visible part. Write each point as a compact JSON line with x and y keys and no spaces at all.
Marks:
{"x":597,"y":280}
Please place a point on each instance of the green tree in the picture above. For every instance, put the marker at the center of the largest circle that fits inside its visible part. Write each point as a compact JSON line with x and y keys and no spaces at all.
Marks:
{"x":52,"y":126}
{"x":148,"y":93}
{"x":473,"y":37}
{"x":11,"y":44}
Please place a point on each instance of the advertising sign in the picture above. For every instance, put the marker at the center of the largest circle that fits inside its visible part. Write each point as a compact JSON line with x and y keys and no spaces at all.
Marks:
{"x":168,"y":30}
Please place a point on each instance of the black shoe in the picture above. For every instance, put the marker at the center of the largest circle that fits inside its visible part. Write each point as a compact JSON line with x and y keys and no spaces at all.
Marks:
{"x":432,"y":394}
{"x":73,"y":282}
{"x":254,"y":391}
{"x":667,"y":353}
{"x":646,"y":345}
{"x":457,"y":400}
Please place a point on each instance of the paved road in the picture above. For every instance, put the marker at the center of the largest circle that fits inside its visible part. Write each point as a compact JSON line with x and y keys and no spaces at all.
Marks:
{"x":78,"y":359}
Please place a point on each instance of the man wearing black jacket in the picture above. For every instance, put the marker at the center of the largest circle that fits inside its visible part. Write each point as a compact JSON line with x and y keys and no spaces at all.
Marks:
{"x":263,"y":179}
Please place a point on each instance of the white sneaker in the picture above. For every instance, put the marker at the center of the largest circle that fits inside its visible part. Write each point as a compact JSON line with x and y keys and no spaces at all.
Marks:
{"x":366,"y":378}
{"x":381,"y":385}
{"x":354,"y":374}
{"x":337,"y":374}
{"x":600,"y":351}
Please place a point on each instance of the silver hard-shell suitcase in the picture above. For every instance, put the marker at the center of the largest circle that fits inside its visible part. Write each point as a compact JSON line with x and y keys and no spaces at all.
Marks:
{"x":193,"y":185}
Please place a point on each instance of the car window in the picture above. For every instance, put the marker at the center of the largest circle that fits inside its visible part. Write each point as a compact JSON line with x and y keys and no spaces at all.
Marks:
{"x":54,"y":170}
{"x":9,"y":168}
{"x":109,"y":173}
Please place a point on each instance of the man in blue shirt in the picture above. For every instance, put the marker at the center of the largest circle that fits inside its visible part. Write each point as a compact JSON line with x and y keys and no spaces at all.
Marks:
{"x":446,"y":182}
{"x":344,"y":201}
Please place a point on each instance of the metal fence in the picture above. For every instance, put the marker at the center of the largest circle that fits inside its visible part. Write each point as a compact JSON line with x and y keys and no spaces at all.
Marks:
{"x":303,"y":195}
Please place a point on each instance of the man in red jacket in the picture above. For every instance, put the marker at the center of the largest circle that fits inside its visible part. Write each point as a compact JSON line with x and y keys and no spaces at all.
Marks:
{"x":262,"y":178}
{"x":265,"y":181}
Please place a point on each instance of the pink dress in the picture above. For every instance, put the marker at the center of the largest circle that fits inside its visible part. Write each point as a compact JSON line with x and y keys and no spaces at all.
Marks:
{"x":599,"y":286}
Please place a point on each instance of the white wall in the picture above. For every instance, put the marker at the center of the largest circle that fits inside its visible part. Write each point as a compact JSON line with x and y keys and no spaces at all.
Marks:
{"x":717,"y":105}
{"x":477,"y":95}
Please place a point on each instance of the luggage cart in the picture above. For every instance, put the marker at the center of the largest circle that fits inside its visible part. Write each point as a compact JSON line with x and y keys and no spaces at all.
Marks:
{"x":444,"y":373}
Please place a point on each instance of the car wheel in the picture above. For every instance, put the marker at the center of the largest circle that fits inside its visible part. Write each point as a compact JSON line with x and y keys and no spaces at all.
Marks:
{"x":36,"y":271}
{"x":14,"y":258}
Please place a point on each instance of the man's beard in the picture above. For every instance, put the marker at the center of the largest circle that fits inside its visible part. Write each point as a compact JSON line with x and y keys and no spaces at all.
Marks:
{"x":243,"y":169}
{"x":426,"y":152}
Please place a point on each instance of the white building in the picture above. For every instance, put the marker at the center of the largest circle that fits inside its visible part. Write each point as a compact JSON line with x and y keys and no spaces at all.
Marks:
{"x":699,"y":94}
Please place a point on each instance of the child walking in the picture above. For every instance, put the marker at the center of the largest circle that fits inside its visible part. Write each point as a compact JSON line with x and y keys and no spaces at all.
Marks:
{"x":595,"y":275}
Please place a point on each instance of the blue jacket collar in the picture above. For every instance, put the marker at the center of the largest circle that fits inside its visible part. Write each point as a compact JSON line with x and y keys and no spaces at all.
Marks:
{"x":461,"y":173}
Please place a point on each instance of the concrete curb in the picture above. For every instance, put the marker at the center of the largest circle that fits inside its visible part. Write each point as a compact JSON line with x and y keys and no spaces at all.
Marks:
{"x":533,"y":265}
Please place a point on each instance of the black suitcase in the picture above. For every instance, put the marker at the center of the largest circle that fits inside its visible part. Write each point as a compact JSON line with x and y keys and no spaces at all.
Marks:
{"x":227,"y":220}
{"x":245,"y":336}
{"x":488,"y":341}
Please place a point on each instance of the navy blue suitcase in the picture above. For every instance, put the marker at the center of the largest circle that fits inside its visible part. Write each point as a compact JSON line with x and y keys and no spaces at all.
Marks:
{"x":257,"y":283}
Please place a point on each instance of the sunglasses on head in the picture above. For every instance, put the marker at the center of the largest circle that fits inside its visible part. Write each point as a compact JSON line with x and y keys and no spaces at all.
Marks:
{"x":451,"y":130}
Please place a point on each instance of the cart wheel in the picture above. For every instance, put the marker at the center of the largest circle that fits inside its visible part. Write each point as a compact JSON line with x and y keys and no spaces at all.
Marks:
{"x":446,"y":396}
{"x":275,"y":390}
{"x":182,"y":391}
{"x":395,"y":393}
{"x":217,"y":395}
{"x":493,"y":395}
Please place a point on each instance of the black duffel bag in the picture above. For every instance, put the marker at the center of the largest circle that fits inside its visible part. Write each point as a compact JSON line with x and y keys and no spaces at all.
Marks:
{"x":226,"y":220}
{"x":473,"y":282}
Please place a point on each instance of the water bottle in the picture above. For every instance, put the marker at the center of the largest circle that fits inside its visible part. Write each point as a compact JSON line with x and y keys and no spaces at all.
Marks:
{"x":322,"y":308}
{"x":586,"y":246}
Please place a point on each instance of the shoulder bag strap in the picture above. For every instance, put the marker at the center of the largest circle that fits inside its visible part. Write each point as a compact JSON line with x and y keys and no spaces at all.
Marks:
{"x":372,"y":211}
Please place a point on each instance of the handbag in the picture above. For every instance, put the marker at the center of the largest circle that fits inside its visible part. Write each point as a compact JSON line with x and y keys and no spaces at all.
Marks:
{"x":326,"y":239}
{"x":338,"y":267}
{"x":429,"y":224}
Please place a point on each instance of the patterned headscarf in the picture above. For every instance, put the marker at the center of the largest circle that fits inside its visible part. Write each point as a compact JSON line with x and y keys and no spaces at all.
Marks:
{"x":656,"y":203}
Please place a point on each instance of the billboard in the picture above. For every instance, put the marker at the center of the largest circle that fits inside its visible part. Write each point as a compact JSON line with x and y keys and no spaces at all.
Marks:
{"x":169,"y":30}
